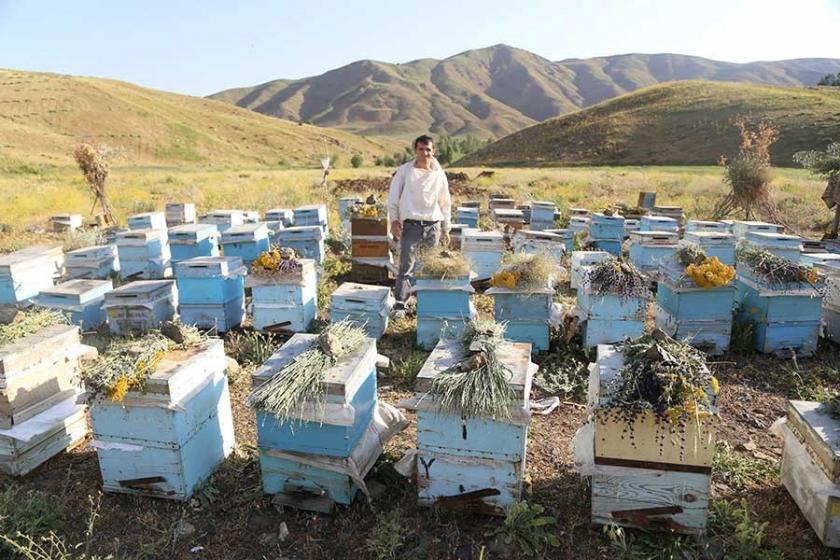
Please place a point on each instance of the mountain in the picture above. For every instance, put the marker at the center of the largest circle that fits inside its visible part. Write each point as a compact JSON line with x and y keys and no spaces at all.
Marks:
{"x":686,"y":123}
{"x":492,"y":91}
{"x":43,"y":116}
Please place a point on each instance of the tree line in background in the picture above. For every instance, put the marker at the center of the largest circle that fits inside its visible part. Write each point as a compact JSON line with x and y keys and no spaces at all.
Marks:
{"x":830,"y":80}
{"x":448,"y":150}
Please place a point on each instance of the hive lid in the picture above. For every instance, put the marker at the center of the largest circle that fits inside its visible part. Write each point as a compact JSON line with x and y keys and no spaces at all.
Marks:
{"x":660,"y":219}
{"x":306,"y":270}
{"x":17,"y":263}
{"x":301,"y":232}
{"x":78,"y":287}
{"x":181,"y":372}
{"x":516,"y":356}
{"x":342,"y":380}
{"x":209,"y":266}
{"x":141,"y":291}
{"x":700,"y":236}
{"x":603,"y":218}
{"x":655,"y":237}
{"x":366,"y":292}
{"x":311,"y":208}
{"x":141,"y":235}
{"x":524,"y":234}
{"x":769,"y":236}
{"x":237,"y":233}
{"x":471,"y":234}
{"x":95,"y":252}
{"x":190,"y":231}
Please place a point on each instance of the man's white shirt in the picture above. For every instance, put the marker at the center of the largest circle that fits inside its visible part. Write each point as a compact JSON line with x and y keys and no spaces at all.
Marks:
{"x":420,"y":194}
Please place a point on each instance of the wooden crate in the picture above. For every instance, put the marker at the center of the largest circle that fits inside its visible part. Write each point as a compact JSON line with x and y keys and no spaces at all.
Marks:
{"x":370,"y":247}
{"x":367,"y":226}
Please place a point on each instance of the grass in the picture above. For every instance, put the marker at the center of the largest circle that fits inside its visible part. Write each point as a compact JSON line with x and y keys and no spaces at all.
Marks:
{"x":738,"y":471}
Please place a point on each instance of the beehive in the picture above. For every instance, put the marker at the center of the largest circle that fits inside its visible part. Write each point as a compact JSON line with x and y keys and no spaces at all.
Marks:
{"x":578,"y":223}
{"x":23,"y":275}
{"x":458,"y":455}
{"x":809,"y":469}
{"x":212,"y":292}
{"x":609,"y":318}
{"x":66,"y":222}
{"x":97,"y":262}
{"x":167,"y":439}
{"x":580,"y":263}
{"x":814,"y":259}
{"x":785,"y":246}
{"x":179,"y":213}
{"x":674,"y":212}
{"x":607,"y":232}
{"x":547,"y":243}
{"x":80,"y":300}
{"x":659,"y":223}
{"x":786,"y":318}
{"x":370,"y":246}
{"x":224,"y":219}
{"x":141,"y":306}
{"x":500,"y":202}
{"x":659,"y":476}
{"x":714,"y":244}
{"x":698,"y":316}
{"x":247,"y":241}
{"x":307,"y":241}
{"x":484,"y":249}
{"x":250,"y":216}
{"x":443,"y":308}
{"x":284,"y":301}
{"x":648,"y":249}
{"x":189,"y":241}
{"x":144,"y":253}
{"x":579,"y":212}
{"x":37,"y":372}
{"x":311,"y":215}
{"x":740,"y":228}
{"x":509,"y":218}
{"x":366,"y":306}
{"x":278,"y":218}
{"x":526,"y":313}
{"x":631,"y":225}
{"x":542,"y":215}
{"x":370,"y":270}
{"x":55,"y":253}
{"x":147,"y":220}
{"x":467,"y":216}
{"x":456,"y":232}
{"x":701,"y":225}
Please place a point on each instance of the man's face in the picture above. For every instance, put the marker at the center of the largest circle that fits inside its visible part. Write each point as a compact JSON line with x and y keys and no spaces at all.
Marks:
{"x":424,"y":151}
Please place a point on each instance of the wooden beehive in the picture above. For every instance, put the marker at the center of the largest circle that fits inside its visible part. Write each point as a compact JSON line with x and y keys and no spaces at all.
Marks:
{"x":80,"y":300}
{"x":167,"y":439}
{"x":379,"y":227}
{"x":97,"y":262}
{"x":141,"y":306}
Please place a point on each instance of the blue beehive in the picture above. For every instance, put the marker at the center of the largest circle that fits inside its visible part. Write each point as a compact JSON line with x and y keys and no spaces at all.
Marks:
{"x":580,"y":263}
{"x":285,"y":301}
{"x":167,"y":439}
{"x":541,"y":242}
{"x":23,"y":275}
{"x":714,"y":244}
{"x":542,"y":215}
{"x":467,"y":216}
{"x":312,"y":215}
{"x":785,"y":246}
{"x":189,"y":241}
{"x":443,"y":309}
{"x":609,"y":318}
{"x":456,"y":454}
{"x":814,"y":259}
{"x":648,"y":249}
{"x":740,"y":228}
{"x":212,"y":292}
{"x":432,"y":328}
{"x":224,"y":219}
{"x":98,"y":262}
{"x":247,"y":241}
{"x":631,"y":225}
{"x":147,"y":220}
{"x":80,"y":300}
{"x":283,"y":216}
{"x":178,"y":213}
{"x":606,"y":227}
{"x":659,"y":223}
{"x":144,"y":253}
{"x":141,"y":306}
{"x":699,"y":316}
{"x":484,"y":249}
{"x":526,"y":313}
{"x":366,"y":306}
{"x":578,"y":223}
{"x":307,"y":241}
{"x":333,"y":427}
{"x":785,"y":317}
{"x":701,"y":225}
{"x":567,"y":235}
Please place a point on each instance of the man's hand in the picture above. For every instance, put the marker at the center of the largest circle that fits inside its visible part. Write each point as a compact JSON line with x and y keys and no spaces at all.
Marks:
{"x":445,"y":239}
{"x":396,"y":229}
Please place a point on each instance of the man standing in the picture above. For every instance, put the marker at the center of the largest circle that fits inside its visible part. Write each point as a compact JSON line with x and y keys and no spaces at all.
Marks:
{"x":419,"y":207}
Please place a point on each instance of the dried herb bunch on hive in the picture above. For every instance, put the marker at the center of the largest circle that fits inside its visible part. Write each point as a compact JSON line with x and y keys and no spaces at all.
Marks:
{"x":772,"y":268}
{"x":370,"y":209}
{"x":477,"y":386}
{"x":299,"y":381}
{"x":29,"y":323}
{"x":442,"y":263}
{"x":618,"y":277}
{"x":663,"y":376}
{"x":706,"y":272}
{"x":526,"y":271}
{"x":276,"y":260}
{"x":127,"y":362}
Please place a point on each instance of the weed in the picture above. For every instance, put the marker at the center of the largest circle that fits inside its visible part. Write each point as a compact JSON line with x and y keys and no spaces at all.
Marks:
{"x":388,"y":536}
{"x":82,"y":238}
{"x":647,"y":546}
{"x":734,"y":527}
{"x":405,"y":369}
{"x":742,"y":340}
{"x":739,"y":471}
{"x":565,"y":371}
{"x":28,"y":512}
{"x":528,"y":529}
{"x":250,"y":347}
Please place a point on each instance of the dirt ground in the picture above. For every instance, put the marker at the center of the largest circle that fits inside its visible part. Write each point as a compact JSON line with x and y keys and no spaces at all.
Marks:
{"x":231,"y":518}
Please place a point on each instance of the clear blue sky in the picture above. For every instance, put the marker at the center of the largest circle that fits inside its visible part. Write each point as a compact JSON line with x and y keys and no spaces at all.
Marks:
{"x":201,"y":47}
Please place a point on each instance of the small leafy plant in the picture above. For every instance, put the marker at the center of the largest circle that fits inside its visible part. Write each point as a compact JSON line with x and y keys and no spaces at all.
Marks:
{"x":528,"y":529}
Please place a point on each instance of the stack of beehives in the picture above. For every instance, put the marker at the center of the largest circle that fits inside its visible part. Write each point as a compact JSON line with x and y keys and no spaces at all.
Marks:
{"x":247,"y":241}
{"x":283,"y":292}
{"x":141,"y":306}
{"x":97,"y":262}
{"x":23,"y":275}
{"x":366,"y":306}
{"x":612,"y":302}
{"x":80,"y":300}
{"x":144,"y":253}
{"x":443,"y":298}
{"x":212,"y":292}
{"x":224,"y":219}
{"x":607,"y":232}
{"x":370,"y":244}
{"x":484,"y":249}
{"x":189,"y":241}
{"x":39,"y":378}
{"x":179,"y":213}
{"x":648,"y":249}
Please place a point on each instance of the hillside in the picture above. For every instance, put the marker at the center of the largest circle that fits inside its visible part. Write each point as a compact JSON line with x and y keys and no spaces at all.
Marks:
{"x":43,"y":116}
{"x":683,"y":123}
{"x":490,"y":92}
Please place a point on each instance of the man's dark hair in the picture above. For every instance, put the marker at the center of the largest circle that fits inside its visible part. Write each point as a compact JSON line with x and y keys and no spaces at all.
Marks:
{"x":424,"y":139}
